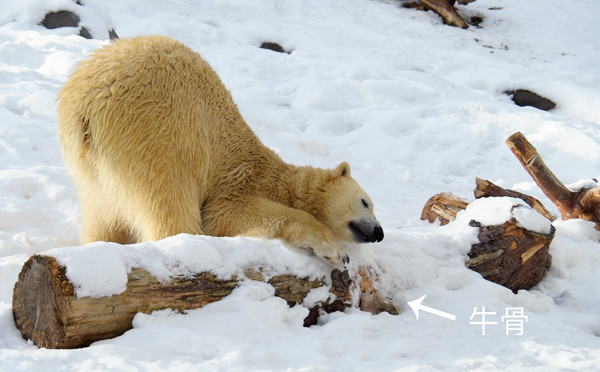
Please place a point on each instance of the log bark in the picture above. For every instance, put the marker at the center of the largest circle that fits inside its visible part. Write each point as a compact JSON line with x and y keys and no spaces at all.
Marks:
{"x":443,"y":207}
{"x":583,"y":204}
{"x":47,"y":311}
{"x":511,"y":256}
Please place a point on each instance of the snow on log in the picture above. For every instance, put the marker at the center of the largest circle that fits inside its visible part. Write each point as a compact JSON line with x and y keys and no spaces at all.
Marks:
{"x":514,"y":239}
{"x":48,"y":312}
{"x":583,"y":204}
{"x":486,"y":189}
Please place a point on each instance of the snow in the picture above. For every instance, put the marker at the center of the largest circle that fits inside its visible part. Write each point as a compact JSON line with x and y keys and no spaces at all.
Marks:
{"x":496,"y":211}
{"x":416,"y":108}
{"x":180,"y":256}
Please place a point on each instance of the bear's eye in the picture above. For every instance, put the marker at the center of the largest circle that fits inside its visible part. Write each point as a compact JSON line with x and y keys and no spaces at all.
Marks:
{"x":365,"y":204}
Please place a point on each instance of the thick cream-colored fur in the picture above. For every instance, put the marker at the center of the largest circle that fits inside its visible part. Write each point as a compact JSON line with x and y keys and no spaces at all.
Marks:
{"x":157,"y":147}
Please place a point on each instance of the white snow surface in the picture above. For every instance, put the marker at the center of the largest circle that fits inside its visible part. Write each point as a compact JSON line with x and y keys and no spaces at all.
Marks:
{"x":496,"y":211}
{"x":416,"y":108}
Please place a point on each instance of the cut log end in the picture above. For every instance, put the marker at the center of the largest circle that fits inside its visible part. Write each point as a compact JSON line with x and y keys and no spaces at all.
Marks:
{"x":37,"y":302}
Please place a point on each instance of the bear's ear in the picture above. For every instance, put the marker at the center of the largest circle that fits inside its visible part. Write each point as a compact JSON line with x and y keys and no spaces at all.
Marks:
{"x":343,"y":170}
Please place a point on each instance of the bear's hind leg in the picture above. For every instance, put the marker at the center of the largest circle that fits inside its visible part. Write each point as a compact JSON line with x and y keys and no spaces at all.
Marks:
{"x":100,"y":220}
{"x":98,"y":227}
{"x":168,"y":215}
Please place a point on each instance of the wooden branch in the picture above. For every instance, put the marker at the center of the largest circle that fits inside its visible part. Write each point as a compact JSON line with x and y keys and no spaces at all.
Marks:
{"x":584,"y":204}
{"x":541,"y":174}
{"x":443,"y":207}
{"x":47,"y":311}
{"x":445,"y":8}
{"x":486,"y":189}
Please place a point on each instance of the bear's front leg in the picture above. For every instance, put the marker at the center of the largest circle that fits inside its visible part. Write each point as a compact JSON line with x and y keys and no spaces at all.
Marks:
{"x":260,"y":217}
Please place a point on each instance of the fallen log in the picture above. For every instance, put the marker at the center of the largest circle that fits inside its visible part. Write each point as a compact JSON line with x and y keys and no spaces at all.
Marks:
{"x":47,"y":311}
{"x":508,"y":254}
{"x":583,"y":204}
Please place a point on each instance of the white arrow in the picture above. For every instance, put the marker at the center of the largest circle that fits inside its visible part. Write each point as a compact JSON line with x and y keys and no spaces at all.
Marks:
{"x":417,"y":305}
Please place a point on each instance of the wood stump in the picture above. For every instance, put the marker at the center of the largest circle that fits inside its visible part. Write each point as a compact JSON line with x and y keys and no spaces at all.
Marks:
{"x":47,"y":311}
{"x":506,"y":254}
{"x":511,"y":256}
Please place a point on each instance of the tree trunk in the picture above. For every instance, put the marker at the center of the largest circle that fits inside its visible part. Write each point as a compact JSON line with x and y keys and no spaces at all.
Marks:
{"x":584,"y":204}
{"x":47,"y":311}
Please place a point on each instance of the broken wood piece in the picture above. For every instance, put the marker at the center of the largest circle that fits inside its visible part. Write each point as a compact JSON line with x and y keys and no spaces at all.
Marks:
{"x":443,"y":207}
{"x":47,"y":311}
{"x":583,"y":204}
{"x":446,"y":10}
{"x":485,"y":188}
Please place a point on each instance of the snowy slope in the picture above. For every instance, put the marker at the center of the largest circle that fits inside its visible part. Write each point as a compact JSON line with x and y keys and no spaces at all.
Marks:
{"x":414,"y":106}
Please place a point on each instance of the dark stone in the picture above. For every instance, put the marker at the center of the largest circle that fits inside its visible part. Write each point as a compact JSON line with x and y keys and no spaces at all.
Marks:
{"x":112,"y":34}
{"x":59,"y":19}
{"x":274,"y":47}
{"x":476,"y":20}
{"x":523,"y":97}
{"x":65,"y":18}
{"x":83,"y":32}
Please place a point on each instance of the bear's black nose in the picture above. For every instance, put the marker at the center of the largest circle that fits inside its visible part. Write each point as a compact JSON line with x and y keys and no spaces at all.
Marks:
{"x":377,"y":234}
{"x":365,"y":232}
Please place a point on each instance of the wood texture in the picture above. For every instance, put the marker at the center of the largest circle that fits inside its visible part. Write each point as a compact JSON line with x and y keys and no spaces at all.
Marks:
{"x":510,"y":255}
{"x":443,"y":207}
{"x":47,"y":311}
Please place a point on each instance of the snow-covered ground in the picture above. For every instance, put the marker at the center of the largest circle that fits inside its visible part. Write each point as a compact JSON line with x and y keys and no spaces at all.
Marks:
{"x":416,"y":108}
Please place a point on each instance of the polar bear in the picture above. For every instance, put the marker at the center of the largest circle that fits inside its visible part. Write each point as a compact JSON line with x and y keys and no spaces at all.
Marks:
{"x":157,"y":147}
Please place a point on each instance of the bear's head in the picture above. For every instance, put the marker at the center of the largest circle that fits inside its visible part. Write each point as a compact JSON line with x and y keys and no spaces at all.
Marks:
{"x":339,"y":203}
